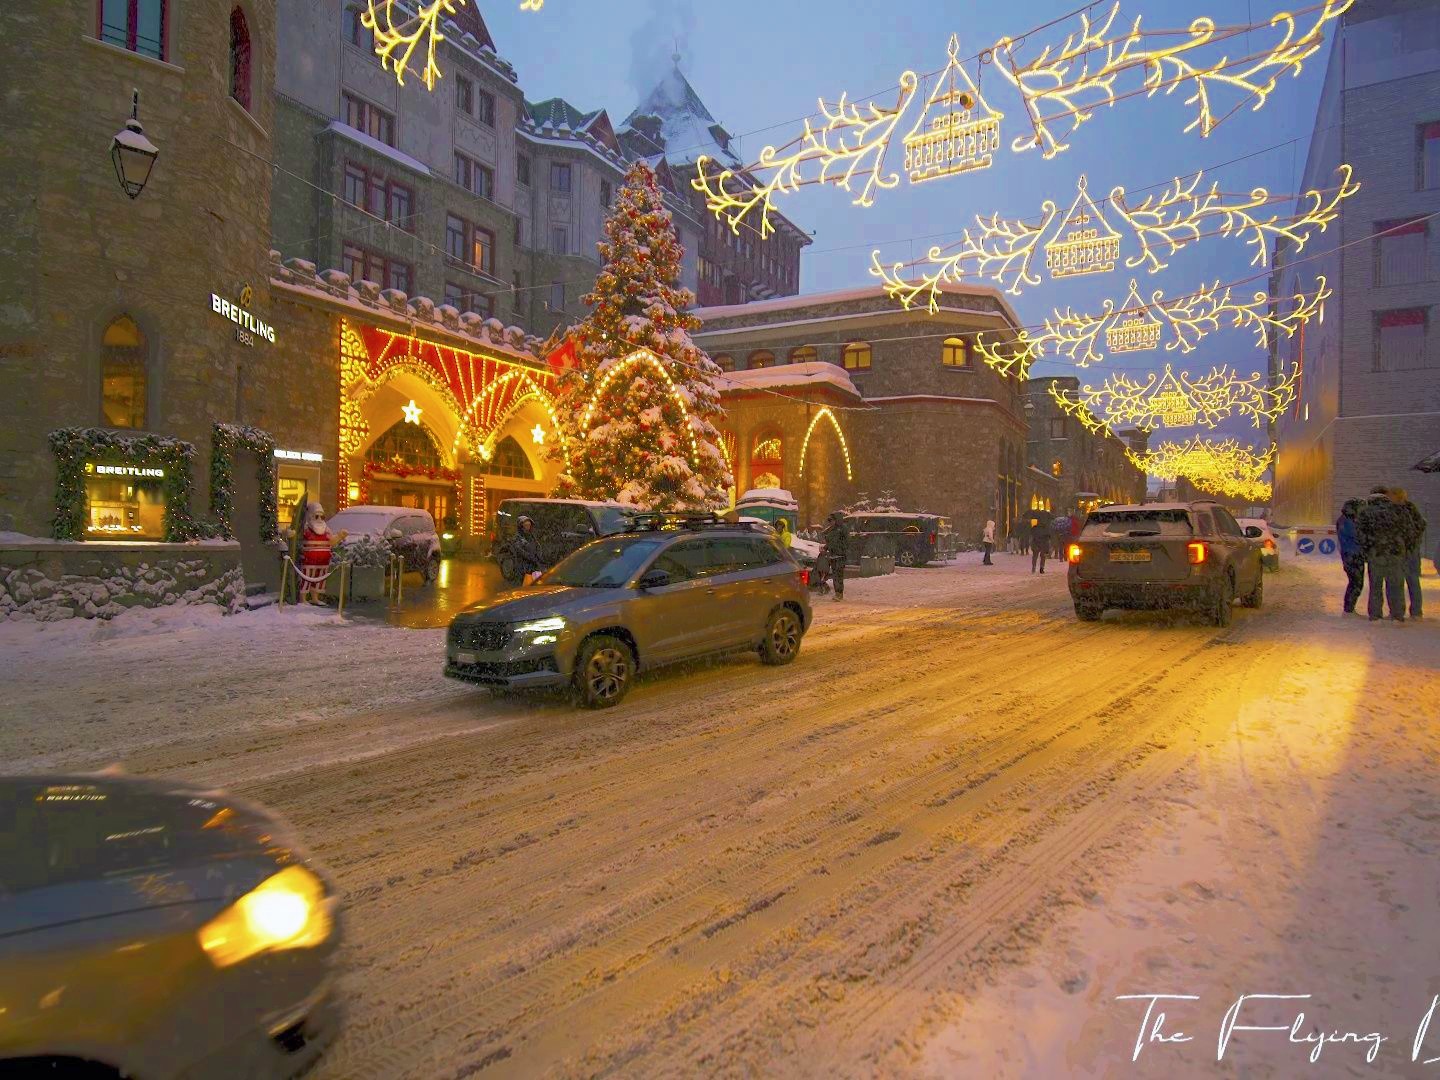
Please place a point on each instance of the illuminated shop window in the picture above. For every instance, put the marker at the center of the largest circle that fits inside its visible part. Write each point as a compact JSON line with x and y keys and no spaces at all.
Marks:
{"x":124,"y":502}
{"x":857,"y":356}
{"x":955,"y":353}
{"x":122,"y":375}
{"x":767,"y":460}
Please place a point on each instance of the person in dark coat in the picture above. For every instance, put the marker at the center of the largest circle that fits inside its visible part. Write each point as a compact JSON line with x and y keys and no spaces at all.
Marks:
{"x":1383,"y":529}
{"x":1415,"y":545}
{"x":1351,"y":557}
{"x":837,"y":550}
{"x":524,"y":551}
{"x":1039,"y":543}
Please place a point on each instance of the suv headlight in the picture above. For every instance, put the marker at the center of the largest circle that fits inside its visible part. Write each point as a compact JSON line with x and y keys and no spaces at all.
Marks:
{"x":552,"y":625}
{"x":285,"y":911}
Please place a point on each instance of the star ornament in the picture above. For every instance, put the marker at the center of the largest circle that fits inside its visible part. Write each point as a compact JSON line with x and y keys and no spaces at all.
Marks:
{"x":412,"y":412}
{"x":538,"y":434}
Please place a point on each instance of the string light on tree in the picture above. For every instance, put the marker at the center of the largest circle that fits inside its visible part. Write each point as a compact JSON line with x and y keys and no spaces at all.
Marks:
{"x":1004,"y":249}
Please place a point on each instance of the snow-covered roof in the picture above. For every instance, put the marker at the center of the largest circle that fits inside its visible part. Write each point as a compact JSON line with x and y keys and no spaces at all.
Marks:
{"x":686,"y":124}
{"x":558,"y":113}
{"x":811,"y":373}
{"x":838,"y":296}
{"x":359,"y":137}
{"x":775,"y":495}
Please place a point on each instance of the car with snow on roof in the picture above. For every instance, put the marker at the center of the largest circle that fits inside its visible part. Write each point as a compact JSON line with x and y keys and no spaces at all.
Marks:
{"x":562,"y":526}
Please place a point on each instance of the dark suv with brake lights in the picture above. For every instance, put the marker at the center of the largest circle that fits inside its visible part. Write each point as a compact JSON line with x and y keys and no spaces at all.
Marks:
{"x":675,"y":588}
{"x":1162,"y":555}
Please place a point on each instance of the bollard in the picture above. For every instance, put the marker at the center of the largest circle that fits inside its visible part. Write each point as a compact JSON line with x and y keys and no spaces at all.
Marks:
{"x":284,"y":579}
{"x":344,"y":588}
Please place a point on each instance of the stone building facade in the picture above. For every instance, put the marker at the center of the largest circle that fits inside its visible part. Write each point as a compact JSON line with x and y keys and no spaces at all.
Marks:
{"x":1368,"y":407}
{"x":1090,"y":468}
{"x":927,"y":420}
{"x":113,"y":315}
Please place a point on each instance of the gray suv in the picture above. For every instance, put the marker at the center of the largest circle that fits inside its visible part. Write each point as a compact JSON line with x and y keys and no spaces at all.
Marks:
{"x":675,"y":588}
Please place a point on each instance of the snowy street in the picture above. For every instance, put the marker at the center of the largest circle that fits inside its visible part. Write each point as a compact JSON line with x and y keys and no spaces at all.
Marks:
{"x":942,"y":843}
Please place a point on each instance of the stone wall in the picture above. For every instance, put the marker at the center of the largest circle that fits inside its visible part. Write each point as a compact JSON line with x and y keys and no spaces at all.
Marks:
{"x":50,"y":581}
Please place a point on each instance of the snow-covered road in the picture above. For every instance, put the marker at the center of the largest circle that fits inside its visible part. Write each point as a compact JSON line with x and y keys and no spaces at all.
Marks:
{"x":941,"y":843}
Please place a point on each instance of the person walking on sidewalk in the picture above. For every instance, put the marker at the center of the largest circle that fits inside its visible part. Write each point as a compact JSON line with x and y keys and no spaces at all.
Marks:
{"x":1415,"y":539}
{"x":1384,"y":532}
{"x":988,"y":539}
{"x":1039,"y":544}
{"x":837,"y":550}
{"x":1351,"y":557}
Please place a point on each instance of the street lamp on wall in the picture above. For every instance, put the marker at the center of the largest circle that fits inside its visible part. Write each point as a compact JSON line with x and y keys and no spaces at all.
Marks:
{"x":133,"y":154}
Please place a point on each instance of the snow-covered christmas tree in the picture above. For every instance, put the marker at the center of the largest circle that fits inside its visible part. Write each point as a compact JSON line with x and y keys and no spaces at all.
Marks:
{"x":642,"y":430}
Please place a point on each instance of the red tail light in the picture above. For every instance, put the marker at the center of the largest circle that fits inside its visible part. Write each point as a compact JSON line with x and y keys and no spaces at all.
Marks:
{"x":1269,"y":545}
{"x":1197,"y":551}
{"x":1072,"y":553}
{"x":804,"y":577}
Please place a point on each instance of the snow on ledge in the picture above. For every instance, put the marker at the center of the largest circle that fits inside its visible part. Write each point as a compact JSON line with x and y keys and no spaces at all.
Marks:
{"x":810,"y":373}
{"x":370,"y":143}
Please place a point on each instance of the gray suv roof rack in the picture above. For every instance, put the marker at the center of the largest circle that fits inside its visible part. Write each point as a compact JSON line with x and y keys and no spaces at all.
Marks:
{"x":654,"y":521}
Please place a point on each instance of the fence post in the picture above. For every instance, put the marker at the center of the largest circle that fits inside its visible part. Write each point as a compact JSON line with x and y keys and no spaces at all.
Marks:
{"x":284,"y":577}
{"x":399,"y":576}
{"x":344,"y":588}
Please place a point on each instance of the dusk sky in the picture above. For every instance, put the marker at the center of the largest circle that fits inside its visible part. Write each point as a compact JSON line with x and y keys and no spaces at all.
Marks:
{"x":760,"y":66}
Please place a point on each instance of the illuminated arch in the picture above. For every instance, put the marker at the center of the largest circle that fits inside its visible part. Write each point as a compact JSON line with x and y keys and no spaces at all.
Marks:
{"x":826,"y":414}
{"x":491,"y":411}
{"x":643,"y":356}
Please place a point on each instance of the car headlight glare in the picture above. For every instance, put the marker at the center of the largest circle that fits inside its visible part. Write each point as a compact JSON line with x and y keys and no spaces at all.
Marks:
{"x":542,"y":626}
{"x":286,"y":911}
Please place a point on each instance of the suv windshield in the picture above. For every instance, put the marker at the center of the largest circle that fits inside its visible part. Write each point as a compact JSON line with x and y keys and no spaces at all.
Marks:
{"x":1171,"y":522}
{"x":605,"y":564}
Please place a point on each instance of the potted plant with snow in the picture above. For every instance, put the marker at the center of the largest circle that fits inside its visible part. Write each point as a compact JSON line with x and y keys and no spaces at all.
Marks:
{"x":369,"y":558}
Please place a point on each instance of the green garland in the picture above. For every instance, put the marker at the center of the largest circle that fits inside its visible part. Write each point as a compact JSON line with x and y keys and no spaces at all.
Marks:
{"x":73,"y":447}
{"x":225,"y":442}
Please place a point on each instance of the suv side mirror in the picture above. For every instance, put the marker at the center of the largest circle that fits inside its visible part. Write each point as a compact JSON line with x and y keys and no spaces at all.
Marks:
{"x":1254,"y":532}
{"x":654,"y":579}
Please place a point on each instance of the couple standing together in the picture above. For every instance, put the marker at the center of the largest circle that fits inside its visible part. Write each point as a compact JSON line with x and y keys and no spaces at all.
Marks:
{"x":1384,"y":534}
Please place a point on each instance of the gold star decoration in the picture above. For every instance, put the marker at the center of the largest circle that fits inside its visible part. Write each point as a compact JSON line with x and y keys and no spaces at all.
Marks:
{"x":412,"y":412}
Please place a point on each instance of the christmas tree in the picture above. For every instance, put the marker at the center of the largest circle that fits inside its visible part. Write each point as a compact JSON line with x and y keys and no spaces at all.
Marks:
{"x":641,"y":430}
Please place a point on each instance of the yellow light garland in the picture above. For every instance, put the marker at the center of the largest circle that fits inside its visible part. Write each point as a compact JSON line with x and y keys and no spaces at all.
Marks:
{"x":1004,"y":249}
{"x":1079,"y":77}
{"x":826,"y":414}
{"x":1222,"y":468}
{"x":389,"y":39}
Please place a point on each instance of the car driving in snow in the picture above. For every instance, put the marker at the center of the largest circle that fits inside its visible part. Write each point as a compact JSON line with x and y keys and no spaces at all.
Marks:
{"x":1259,"y":529}
{"x":156,"y":929}
{"x":1159,"y":555}
{"x":675,"y":588}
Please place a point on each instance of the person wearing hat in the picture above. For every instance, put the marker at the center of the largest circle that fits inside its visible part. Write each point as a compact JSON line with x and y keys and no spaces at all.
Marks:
{"x":524,"y":551}
{"x":837,"y":550}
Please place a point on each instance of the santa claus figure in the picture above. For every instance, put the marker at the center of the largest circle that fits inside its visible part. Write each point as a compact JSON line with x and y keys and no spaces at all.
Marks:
{"x":316,"y":546}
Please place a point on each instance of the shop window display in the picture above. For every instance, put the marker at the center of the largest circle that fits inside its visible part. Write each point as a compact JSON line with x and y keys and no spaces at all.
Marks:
{"x":124,"y":502}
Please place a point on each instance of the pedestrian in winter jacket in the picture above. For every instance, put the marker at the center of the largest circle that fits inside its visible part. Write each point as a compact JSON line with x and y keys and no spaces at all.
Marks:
{"x":524,"y":551}
{"x":1039,"y":544}
{"x":1384,"y":531}
{"x":987,"y":538}
{"x":837,"y":550}
{"x":1416,"y":537}
{"x":1351,"y":557}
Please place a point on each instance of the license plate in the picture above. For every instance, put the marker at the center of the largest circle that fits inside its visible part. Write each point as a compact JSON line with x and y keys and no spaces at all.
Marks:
{"x":1129,"y":556}
{"x":466,"y":658}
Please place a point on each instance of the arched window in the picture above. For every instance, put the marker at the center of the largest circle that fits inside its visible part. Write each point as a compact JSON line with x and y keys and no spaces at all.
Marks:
{"x":955,"y":352}
{"x":406,"y":444}
{"x":240,"y":58}
{"x":767,"y":460}
{"x":509,"y":460}
{"x":123,"y":386}
{"x":761,"y":359}
{"x":857,"y":356}
{"x":804,"y":354}
{"x":726,"y":361}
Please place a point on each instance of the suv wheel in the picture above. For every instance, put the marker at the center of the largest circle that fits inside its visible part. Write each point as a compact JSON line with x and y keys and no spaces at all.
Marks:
{"x":1257,"y":594}
{"x":1224,"y":601}
{"x":781,"y":643}
{"x":432,"y":569}
{"x":905,"y":557}
{"x":603,"y":671}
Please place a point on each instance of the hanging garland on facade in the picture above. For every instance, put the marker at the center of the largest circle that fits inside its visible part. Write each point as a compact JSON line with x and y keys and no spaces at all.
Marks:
{"x":226,"y":441}
{"x":74,"y":448}
{"x":405,"y":472}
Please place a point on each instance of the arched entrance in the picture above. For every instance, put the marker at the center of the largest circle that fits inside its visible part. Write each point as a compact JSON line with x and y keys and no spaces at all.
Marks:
{"x":406,"y":467}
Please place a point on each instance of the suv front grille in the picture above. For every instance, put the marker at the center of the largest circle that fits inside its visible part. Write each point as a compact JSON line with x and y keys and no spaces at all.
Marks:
{"x":482,"y":637}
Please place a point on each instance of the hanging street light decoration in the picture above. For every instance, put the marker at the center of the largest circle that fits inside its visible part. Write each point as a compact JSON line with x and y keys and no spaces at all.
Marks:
{"x":1063,"y":88}
{"x":1223,"y":468}
{"x":133,"y":154}
{"x":1178,"y":399}
{"x":396,"y":45}
{"x":1004,"y":249}
{"x":957,"y":131}
{"x":1137,"y":326}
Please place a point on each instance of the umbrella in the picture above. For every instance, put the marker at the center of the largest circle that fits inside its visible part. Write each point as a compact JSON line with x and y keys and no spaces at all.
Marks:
{"x":1430,"y":464}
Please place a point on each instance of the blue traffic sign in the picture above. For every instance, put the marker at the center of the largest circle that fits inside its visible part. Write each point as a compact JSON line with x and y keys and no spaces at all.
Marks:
{"x":1304,"y":545}
{"x":1327,"y":546}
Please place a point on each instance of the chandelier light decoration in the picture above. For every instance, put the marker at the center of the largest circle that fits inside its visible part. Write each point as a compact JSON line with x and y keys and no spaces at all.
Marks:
{"x":1172,"y":399}
{"x":1223,"y":468}
{"x":1063,"y":87}
{"x":399,"y":31}
{"x":1136,"y":326}
{"x":957,"y":131}
{"x":1081,"y":241}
